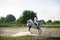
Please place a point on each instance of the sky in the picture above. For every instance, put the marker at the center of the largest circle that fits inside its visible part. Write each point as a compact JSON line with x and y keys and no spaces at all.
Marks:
{"x":45,"y":9}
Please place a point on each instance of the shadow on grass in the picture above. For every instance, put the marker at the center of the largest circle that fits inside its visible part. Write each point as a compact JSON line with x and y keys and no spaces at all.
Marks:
{"x":53,"y":38}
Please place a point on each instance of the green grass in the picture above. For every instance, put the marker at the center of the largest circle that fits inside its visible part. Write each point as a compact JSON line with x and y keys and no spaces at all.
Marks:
{"x":51,"y":25}
{"x":24,"y":25}
{"x":29,"y":38}
{"x":11,"y":25}
{"x":21,"y":38}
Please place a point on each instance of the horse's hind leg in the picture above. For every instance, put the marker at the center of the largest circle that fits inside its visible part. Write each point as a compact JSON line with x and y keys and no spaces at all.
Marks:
{"x":40,"y":31}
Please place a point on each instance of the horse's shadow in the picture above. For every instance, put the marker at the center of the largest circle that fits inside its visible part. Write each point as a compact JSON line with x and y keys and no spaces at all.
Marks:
{"x":53,"y":38}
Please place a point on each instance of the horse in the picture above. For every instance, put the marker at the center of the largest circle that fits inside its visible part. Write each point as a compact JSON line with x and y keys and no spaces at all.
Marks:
{"x":38,"y":27}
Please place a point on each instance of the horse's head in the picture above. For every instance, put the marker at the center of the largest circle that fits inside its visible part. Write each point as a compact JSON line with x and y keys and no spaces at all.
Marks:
{"x":29,"y":22}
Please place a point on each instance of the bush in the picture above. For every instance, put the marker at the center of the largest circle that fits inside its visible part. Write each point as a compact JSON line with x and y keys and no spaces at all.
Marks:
{"x":4,"y":25}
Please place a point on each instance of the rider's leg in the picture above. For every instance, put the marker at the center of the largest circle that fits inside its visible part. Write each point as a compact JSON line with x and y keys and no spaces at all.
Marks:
{"x":37,"y":25}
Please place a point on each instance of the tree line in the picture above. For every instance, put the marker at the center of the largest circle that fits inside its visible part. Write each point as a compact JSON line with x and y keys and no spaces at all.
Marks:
{"x":27,"y":14}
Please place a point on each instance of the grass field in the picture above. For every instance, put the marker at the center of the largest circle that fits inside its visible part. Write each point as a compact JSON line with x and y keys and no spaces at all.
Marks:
{"x":51,"y":25}
{"x":27,"y":38}
{"x":24,"y":25}
{"x":21,"y":38}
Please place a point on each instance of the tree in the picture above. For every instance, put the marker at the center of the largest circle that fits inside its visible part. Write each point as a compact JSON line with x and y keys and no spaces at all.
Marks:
{"x":56,"y":22}
{"x":10,"y":18}
{"x":20,"y":20}
{"x":43,"y":21}
{"x":49,"y":22}
{"x":2,"y":19}
{"x":27,"y":14}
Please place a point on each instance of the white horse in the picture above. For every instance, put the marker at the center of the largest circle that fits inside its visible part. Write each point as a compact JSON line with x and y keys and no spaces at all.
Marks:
{"x":38,"y":27}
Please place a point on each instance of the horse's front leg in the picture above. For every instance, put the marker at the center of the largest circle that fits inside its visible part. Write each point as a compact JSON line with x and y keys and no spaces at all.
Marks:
{"x":30,"y":29}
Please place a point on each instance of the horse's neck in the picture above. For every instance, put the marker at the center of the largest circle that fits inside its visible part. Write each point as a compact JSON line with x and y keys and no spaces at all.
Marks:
{"x":30,"y":20}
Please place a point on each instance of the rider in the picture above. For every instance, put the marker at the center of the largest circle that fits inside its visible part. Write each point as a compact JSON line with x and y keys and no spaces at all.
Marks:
{"x":35,"y":21}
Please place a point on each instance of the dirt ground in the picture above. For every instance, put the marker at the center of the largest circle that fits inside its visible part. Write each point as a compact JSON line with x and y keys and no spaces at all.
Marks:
{"x":14,"y":32}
